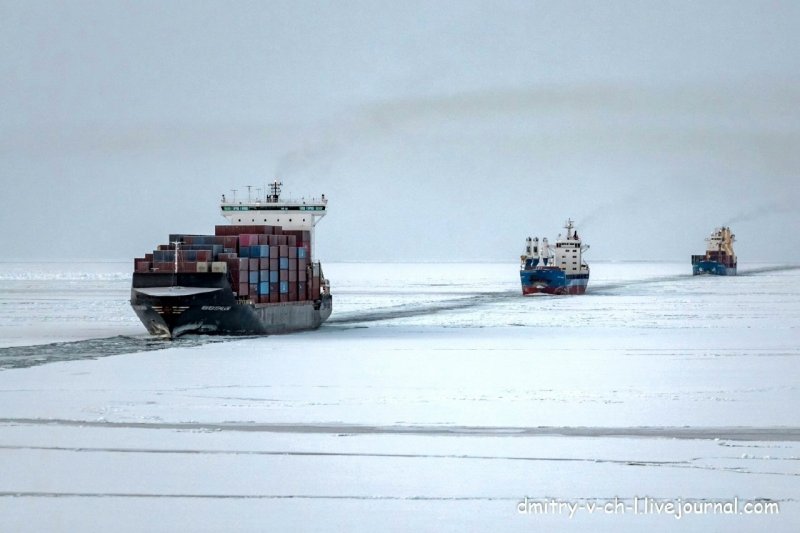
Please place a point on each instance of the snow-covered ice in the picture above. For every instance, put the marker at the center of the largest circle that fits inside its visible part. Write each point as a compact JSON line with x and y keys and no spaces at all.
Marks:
{"x":435,"y":399}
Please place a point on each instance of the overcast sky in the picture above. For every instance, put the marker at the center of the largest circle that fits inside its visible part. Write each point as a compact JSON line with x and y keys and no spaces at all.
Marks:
{"x":439,"y":130}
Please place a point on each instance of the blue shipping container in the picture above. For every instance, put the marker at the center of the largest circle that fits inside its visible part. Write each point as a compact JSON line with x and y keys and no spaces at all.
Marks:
{"x":264,"y":250}
{"x":263,"y":287}
{"x":264,"y":275}
{"x":244,"y":251}
{"x":301,"y":253}
{"x":273,"y":276}
{"x":255,"y":251}
{"x":253,"y":277}
{"x":284,"y":287}
{"x":283,"y":264}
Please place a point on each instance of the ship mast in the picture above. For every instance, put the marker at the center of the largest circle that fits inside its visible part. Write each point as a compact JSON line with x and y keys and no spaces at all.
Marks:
{"x":275,"y":192}
{"x":175,"y":271}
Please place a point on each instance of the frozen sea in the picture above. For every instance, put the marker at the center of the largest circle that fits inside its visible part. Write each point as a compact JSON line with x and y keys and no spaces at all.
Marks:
{"x":436,"y":398}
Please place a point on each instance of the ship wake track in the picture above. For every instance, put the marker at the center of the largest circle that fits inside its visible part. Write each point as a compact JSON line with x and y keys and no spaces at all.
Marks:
{"x":415,"y":310}
{"x":40,"y":354}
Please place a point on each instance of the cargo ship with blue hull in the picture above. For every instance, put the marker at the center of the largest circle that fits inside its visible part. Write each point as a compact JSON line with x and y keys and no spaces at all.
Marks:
{"x":554,"y":269}
{"x":719,"y":259}
{"x":254,"y":276}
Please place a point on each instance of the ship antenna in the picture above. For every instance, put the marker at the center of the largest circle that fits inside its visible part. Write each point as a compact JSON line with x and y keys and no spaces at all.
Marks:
{"x":248,"y":193}
{"x":234,"y":194}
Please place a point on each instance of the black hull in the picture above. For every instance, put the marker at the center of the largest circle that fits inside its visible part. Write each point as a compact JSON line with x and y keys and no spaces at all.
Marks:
{"x":203,"y":303}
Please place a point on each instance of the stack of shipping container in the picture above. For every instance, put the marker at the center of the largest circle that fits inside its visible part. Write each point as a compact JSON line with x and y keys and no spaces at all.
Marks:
{"x":264,"y":264}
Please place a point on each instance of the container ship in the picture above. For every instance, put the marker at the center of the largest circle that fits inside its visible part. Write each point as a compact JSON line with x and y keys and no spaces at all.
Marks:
{"x":255,"y":276}
{"x":719,"y":258}
{"x":558,"y":269}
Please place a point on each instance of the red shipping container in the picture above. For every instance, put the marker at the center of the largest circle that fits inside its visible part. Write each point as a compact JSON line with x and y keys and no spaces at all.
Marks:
{"x":292,"y":252}
{"x":284,"y":297}
{"x":283,"y":250}
{"x":263,"y":263}
{"x":254,"y":288}
{"x":292,"y":277}
{"x":263,"y":239}
{"x":284,"y":275}
{"x":283,"y":240}
{"x":238,"y":229}
{"x":272,"y":240}
{"x":274,"y":297}
{"x":274,"y":288}
{"x":301,"y":264}
{"x":148,"y":257}
{"x":244,"y":263}
{"x":274,"y":264}
{"x":302,"y":275}
{"x":293,"y":264}
{"x":244,"y":289}
{"x":291,"y":240}
{"x":302,"y":290}
{"x":254,"y":264}
{"x":273,"y":252}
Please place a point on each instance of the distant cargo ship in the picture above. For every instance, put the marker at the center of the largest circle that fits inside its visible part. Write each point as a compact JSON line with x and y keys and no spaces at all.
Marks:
{"x":719,"y":258}
{"x":256,"y":276}
{"x":558,"y":269}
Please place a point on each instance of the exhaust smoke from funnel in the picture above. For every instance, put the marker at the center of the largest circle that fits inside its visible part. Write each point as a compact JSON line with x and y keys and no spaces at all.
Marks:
{"x":766,"y":210}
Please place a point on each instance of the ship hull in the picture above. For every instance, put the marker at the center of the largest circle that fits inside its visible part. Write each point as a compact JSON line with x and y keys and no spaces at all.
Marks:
{"x":173,"y":305}
{"x":552,"y":281}
{"x":714,"y":268}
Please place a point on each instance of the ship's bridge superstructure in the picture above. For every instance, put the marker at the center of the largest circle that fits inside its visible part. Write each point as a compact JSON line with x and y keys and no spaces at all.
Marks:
{"x":271,"y":210}
{"x":721,"y":240}
{"x":566,"y":254}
